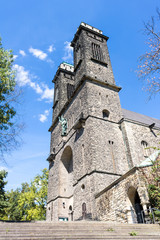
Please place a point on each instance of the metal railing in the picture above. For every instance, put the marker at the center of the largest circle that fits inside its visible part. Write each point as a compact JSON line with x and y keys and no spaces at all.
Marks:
{"x":148,"y":216}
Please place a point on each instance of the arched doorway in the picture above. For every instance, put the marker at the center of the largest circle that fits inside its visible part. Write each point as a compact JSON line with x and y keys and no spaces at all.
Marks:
{"x":66,"y":173}
{"x":137,"y":210}
{"x":71,"y":212}
{"x":84,"y":210}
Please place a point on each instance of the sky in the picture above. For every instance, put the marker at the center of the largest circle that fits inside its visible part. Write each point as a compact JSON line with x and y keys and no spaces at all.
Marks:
{"x":39,"y":33}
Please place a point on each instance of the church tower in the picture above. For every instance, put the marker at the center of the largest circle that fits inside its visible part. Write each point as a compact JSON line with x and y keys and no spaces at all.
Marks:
{"x":63,"y":87}
{"x":92,"y":153}
{"x":91,"y":57}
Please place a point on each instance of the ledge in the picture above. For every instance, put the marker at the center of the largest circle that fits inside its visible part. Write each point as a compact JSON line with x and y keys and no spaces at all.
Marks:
{"x":51,"y":157}
{"x":99,"y":62}
{"x":79,"y":123}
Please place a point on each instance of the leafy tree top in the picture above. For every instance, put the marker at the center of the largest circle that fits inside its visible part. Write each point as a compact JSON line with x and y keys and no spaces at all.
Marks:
{"x":7,"y":86}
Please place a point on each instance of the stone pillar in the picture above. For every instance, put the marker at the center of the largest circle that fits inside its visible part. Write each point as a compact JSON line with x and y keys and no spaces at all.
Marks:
{"x":144,"y":205}
{"x":129,"y":215}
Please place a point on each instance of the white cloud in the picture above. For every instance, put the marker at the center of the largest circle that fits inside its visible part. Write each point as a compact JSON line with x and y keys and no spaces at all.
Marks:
{"x":38,"y":53}
{"x":51,"y":48}
{"x":15,"y":56}
{"x":22,"y":53}
{"x":36,"y":87}
{"x":47,"y":93}
{"x":4,"y":168}
{"x":43,"y":117}
{"x":24,"y":78}
{"x":68,"y":52}
{"x":50,"y":61}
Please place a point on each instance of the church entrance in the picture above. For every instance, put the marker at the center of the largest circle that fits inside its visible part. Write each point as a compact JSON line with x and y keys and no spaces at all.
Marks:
{"x":136,"y":208}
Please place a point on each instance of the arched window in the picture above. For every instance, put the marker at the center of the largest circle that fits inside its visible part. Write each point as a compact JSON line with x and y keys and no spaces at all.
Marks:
{"x":144,"y":145}
{"x":105,"y":113}
{"x":66,"y":172}
{"x":84,"y":210}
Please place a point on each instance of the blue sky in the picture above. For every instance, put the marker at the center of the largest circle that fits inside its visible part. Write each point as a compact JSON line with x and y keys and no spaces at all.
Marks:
{"x":39,"y":32}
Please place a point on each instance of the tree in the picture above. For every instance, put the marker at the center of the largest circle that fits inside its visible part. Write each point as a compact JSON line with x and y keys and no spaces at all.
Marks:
{"x":9,"y":129}
{"x":29,"y":201}
{"x":3,"y":202}
{"x":149,"y":67}
{"x":153,"y":183}
{"x":12,"y":211}
{"x":154,"y":188}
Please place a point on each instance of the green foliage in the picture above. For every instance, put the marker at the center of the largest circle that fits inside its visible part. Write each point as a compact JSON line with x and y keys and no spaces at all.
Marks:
{"x":7,"y":85}
{"x":3,"y":202}
{"x":29,"y":201}
{"x":133,"y":233}
{"x":154,"y":186}
{"x":110,"y":229}
{"x":12,"y":211}
{"x":9,"y":93}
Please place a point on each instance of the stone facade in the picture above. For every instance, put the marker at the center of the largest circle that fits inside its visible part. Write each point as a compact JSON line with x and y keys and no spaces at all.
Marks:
{"x":102,"y":142}
{"x":116,"y":202}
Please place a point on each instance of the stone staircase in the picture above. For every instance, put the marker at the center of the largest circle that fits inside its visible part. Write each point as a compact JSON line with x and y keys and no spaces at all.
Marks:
{"x":82,"y":230}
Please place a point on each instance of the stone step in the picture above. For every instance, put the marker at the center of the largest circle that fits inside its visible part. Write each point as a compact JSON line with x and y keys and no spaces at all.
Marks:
{"x":80,"y":238}
{"x":63,"y":231}
{"x":106,"y":228}
{"x":76,"y":224}
{"x":77,"y":230}
{"x":80,"y":235}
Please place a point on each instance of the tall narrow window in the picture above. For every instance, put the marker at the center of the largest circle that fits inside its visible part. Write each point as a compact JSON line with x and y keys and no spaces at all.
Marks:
{"x":96,"y":52}
{"x":112,"y":155}
{"x":146,"y":151}
{"x":56,"y":98}
{"x":70,"y":90}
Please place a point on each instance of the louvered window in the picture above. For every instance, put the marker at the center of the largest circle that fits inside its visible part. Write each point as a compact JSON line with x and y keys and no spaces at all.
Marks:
{"x":70,"y":90}
{"x":96,"y":52}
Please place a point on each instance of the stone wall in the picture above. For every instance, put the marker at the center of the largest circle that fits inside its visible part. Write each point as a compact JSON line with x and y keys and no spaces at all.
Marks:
{"x":98,"y":149}
{"x":113,"y":203}
{"x":135,"y":133}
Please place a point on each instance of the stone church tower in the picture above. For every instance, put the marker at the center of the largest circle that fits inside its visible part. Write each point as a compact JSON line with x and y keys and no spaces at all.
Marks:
{"x":94,"y":151}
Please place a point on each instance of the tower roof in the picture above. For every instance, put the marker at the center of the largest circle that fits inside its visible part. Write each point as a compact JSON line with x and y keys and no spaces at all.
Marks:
{"x":67,"y":66}
{"x":91,"y":28}
{"x":64,"y":67}
{"x":88,"y":28}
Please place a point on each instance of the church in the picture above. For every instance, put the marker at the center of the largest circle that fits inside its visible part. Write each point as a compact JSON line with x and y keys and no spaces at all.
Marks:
{"x":99,"y":152}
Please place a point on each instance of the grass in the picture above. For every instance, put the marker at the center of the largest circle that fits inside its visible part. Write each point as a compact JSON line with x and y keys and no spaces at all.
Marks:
{"x":110,"y":229}
{"x":133,"y":233}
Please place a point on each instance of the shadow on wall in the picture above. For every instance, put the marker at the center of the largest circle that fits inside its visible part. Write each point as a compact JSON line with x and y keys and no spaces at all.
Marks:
{"x":79,"y":134}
